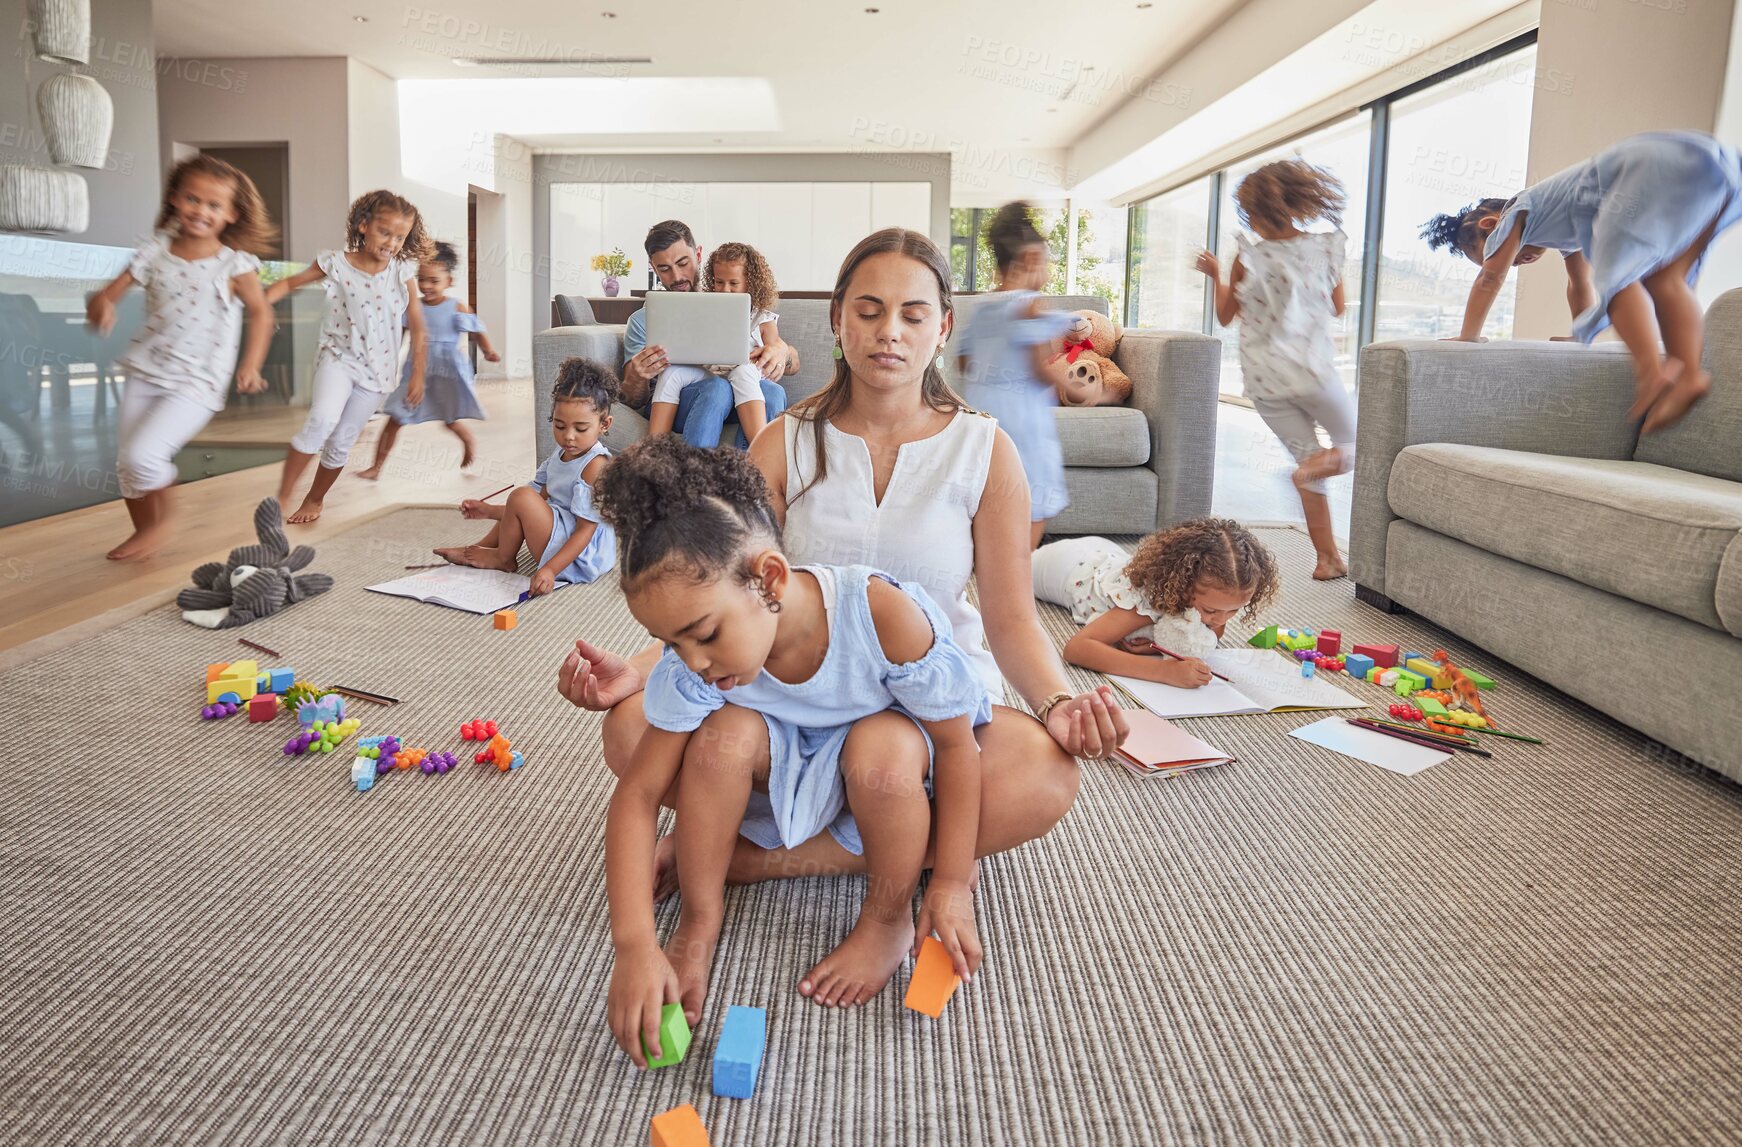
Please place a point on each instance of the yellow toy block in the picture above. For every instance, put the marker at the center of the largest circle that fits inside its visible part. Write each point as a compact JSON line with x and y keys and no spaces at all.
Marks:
{"x":243,"y":688}
{"x":248,"y":669}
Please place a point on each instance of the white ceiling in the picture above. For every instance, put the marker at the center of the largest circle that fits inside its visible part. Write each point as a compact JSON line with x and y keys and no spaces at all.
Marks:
{"x":1004,"y":85}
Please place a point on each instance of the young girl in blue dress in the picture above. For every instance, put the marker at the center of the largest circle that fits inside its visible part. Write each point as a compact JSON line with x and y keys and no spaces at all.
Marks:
{"x":554,"y":516}
{"x":447,"y":374}
{"x":821,"y":698}
{"x":1003,"y":341}
{"x":1633,"y":224}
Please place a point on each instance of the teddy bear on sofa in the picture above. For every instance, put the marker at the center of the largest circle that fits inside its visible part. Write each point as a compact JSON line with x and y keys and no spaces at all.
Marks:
{"x":1081,"y":365}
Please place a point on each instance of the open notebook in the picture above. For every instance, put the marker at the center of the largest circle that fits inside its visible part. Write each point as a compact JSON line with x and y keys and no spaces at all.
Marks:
{"x":460,"y":587}
{"x":1160,"y":748}
{"x":1259,"y":681}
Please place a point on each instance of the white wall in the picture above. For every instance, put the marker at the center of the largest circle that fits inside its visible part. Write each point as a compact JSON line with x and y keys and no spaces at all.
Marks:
{"x":1633,"y":67}
{"x":372,"y":116}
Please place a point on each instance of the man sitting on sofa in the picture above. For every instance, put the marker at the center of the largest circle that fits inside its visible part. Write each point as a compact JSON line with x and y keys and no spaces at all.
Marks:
{"x":676,"y":259}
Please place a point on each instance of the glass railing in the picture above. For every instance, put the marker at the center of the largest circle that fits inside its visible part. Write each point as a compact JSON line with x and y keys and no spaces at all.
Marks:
{"x":60,"y":387}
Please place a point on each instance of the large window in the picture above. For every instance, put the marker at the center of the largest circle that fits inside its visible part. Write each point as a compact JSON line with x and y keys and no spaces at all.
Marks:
{"x":1448,"y":141}
{"x":1167,"y":232}
{"x":1455,"y":143}
{"x":1099,"y":267}
{"x":1341,"y":149}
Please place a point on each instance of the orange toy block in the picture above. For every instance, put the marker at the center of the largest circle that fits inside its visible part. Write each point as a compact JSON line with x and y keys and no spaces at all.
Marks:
{"x":505,"y":619}
{"x":679,"y":1127}
{"x":215,"y":671}
{"x":934,"y":980}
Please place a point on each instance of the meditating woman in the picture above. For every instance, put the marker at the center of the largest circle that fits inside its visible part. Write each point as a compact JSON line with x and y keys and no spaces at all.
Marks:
{"x":887,"y":467}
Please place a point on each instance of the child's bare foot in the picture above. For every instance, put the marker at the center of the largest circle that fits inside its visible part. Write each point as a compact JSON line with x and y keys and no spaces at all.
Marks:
{"x":863,"y":964}
{"x":1651,"y":385}
{"x":309,"y":511}
{"x":145,"y":542}
{"x":490,"y":558}
{"x":468,"y":450}
{"x":1329,"y":569}
{"x":664,"y":868}
{"x":124,"y":551}
{"x":371,"y":473}
{"x":455,"y":555}
{"x":691,"y":952}
{"x":1688,"y":388}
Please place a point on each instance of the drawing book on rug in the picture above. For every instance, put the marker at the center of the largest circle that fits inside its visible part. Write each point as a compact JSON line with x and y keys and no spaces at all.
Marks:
{"x":460,"y":587}
{"x":1258,"y":682}
{"x":1160,"y":748}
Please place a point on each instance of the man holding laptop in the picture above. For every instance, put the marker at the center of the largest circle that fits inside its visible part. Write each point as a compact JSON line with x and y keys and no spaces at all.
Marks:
{"x":676,"y":260}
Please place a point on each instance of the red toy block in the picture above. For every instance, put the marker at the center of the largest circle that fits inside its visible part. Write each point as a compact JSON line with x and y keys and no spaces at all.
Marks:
{"x":1384,"y":656}
{"x":1330,"y":641}
{"x":680,"y":1127}
{"x":262,"y":707}
{"x":934,"y":980}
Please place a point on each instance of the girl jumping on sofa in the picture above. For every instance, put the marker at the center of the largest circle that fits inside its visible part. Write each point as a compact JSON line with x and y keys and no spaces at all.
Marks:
{"x":1285,"y":290}
{"x":1177,"y":592}
{"x":734,"y":269}
{"x":1003,"y":341}
{"x":554,"y":515}
{"x":201,"y":274}
{"x":448,"y":396}
{"x":825,"y":698}
{"x":368,"y":289}
{"x":1633,"y":224}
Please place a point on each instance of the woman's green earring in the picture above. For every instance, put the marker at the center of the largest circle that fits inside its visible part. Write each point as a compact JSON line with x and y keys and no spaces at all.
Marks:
{"x":838,"y":356}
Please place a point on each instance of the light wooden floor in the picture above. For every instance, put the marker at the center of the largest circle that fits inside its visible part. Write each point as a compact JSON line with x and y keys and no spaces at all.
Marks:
{"x":53,"y":575}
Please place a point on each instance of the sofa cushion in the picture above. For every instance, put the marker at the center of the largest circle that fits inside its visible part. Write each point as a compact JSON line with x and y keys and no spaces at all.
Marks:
{"x":1730,"y":588}
{"x":1705,"y":440}
{"x":1103,"y":436}
{"x":1649,"y":533}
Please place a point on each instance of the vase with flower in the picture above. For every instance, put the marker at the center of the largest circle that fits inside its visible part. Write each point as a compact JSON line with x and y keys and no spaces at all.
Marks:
{"x":614,"y":265}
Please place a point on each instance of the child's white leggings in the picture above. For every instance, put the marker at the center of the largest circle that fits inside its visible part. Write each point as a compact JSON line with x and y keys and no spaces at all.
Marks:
{"x":1055,"y":566}
{"x":337,"y":415}
{"x":1293,"y":420}
{"x":153,"y":425}
{"x":746,"y":382}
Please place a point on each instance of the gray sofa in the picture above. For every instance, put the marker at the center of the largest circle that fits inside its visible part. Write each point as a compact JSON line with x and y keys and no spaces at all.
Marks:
{"x":1501,"y":493}
{"x":1129,"y":469}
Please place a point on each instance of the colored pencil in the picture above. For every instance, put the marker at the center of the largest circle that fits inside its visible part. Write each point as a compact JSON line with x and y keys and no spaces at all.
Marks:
{"x":487,"y":497}
{"x":430,"y":566}
{"x":261,"y":648}
{"x":1510,"y":736}
{"x":1420,"y":731}
{"x":1426,"y":740}
{"x":364,"y":695}
{"x":1177,"y":657}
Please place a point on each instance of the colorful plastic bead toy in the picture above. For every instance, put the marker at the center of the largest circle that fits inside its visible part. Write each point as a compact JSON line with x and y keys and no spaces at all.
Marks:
{"x":299,"y":744}
{"x":499,"y":753}
{"x":219,"y":710}
{"x":439,"y":761}
{"x":477,"y":730}
{"x":1404,"y":711}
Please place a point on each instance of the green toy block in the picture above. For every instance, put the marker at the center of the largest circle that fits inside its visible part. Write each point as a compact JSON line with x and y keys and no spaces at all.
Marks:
{"x":1477,"y":679}
{"x":1374,"y":673}
{"x":1408,"y":683}
{"x":1301,"y":638}
{"x":674,"y":1037}
{"x":1264,"y":638}
{"x":1429,"y":707}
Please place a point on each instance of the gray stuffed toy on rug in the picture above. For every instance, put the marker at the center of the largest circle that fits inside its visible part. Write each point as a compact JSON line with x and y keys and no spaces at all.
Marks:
{"x":256,"y":582}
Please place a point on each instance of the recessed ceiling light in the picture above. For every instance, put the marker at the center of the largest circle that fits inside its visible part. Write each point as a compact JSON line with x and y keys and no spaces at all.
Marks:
{"x":361,"y":19}
{"x":1049,"y":111}
{"x":872,"y":11}
{"x":1146,"y":5}
{"x":609,"y":15}
{"x":1024,"y":139}
{"x":546,"y":61}
{"x":717,"y":139}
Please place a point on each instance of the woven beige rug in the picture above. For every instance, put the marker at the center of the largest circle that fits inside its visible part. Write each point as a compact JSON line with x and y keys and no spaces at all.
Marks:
{"x":207,"y":942}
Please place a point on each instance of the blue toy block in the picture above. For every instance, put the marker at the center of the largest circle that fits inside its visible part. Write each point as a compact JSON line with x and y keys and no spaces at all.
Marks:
{"x":1357,"y":664}
{"x":281,"y":680}
{"x":1404,"y":660}
{"x":1306,"y":669}
{"x":230,"y":697}
{"x":363,"y":774}
{"x":738,"y":1056}
{"x":514,"y":759}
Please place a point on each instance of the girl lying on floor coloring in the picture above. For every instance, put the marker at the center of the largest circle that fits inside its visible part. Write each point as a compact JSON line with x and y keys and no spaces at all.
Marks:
{"x":1176,"y":593}
{"x":554,"y":515}
{"x":824,"y":697}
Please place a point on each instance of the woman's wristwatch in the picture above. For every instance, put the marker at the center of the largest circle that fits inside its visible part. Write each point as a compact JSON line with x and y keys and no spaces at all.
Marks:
{"x":1045,"y":708}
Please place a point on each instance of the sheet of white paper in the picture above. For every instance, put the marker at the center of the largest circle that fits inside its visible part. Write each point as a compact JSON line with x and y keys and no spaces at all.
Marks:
{"x":1272,"y":682}
{"x":460,"y":587}
{"x":1336,"y":734}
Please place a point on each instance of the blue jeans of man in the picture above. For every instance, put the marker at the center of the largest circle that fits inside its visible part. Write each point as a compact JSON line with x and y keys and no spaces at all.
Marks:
{"x":704,"y":406}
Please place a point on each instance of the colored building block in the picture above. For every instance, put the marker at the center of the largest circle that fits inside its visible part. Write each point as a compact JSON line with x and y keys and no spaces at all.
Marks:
{"x":1300,"y":638}
{"x":505,"y":619}
{"x":738,"y":1055}
{"x":1411,"y":656}
{"x":1375,"y":673}
{"x":1408,"y":682}
{"x":230,"y":689}
{"x":1477,"y":679}
{"x":934,"y":980}
{"x":278,"y":680}
{"x":674,"y":1037}
{"x":262,"y":707}
{"x":1357,"y":664}
{"x":1306,"y":668}
{"x":1388,"y":677}
{"x":215,"y":671}
{"x":679,"y":1127}
{"x":1429,"y":707}
{"x":1330,"y":641}
{"x":1265,"y":638}
{"x":363,"y":773}
{"x":248,"y":669}
{"x":1382,"y":655}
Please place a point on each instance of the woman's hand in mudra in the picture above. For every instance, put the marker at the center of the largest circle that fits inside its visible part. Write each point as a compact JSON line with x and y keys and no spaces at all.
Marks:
{"x":1089,"y":725}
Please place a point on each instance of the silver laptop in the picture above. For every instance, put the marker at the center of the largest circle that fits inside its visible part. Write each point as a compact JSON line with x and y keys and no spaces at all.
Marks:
{"x":699,"y":328}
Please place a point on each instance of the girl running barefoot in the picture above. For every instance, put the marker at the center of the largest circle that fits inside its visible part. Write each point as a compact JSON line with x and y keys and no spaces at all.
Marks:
{"x":824,"y":696}
{"x":1633,"y":224}
{"x":447,"y":380}
{"x":555,"y":516}
{"x":1177,"y":592}
{"x":1285,"y":290}
{"x":199,"y":273}
{"x":367,"y":292}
